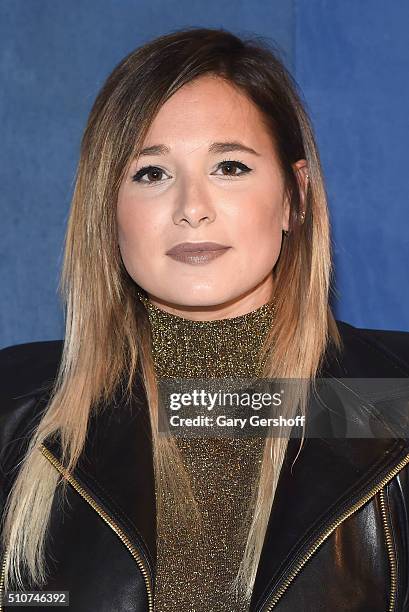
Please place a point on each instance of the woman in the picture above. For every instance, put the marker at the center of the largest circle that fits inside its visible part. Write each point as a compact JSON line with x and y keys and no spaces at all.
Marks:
{"x":198,"y":137}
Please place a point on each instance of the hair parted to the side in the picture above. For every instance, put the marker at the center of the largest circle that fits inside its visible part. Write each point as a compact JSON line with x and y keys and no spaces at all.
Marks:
{"x":107,"y":335}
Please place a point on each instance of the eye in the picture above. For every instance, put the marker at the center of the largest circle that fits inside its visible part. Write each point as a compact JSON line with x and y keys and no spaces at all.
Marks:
{"x":230,"y":166}
{"x":151,"y":171}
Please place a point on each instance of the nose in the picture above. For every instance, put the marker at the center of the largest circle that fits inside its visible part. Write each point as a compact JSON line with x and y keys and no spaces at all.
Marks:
{"x":194,"y":204}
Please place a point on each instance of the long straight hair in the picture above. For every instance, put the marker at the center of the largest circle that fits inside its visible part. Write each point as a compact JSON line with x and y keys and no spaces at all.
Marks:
{"x":107,"y":334}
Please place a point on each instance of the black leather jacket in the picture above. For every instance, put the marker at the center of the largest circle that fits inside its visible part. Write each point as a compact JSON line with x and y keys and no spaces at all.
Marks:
{"x":338,"y":533}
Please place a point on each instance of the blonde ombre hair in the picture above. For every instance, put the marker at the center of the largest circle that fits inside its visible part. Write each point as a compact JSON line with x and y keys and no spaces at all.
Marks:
{"x":107,"y":332}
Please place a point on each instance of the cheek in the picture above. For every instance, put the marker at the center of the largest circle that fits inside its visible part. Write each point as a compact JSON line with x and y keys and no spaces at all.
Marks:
{"x":260,"y":229}
{"x":138,"y":233}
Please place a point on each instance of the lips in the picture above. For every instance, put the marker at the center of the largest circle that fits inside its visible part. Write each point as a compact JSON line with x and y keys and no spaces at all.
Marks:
{"x":197,"y":253}
{"x":196,"y":247}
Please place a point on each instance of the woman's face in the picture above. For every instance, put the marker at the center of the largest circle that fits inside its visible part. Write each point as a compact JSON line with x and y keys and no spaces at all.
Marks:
{"x":208,"y":172}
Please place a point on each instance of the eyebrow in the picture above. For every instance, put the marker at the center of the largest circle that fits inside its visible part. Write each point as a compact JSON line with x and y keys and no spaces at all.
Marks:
{"x":215,"y":147}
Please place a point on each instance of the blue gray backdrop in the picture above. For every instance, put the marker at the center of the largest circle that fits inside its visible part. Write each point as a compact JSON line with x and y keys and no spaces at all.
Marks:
{"x":351,"y":60}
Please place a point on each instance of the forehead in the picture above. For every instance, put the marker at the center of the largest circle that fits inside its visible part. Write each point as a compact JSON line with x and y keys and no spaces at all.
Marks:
{"x":207,"y":109}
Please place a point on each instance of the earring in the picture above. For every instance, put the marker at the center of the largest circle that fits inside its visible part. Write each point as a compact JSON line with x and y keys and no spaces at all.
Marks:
{"x":285,"y":232}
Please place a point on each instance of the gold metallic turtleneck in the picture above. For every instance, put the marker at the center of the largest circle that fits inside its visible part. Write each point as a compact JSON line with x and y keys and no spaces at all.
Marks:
{"x":193,"y":573}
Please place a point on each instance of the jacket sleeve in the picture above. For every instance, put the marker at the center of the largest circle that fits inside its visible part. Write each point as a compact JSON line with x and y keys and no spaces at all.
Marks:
{"x":26,"y":372}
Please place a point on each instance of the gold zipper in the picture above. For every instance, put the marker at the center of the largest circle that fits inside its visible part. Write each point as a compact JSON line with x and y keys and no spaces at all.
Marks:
{"x":391,"y":550}
{"x":275,"y":598}
{"x":3,"y":568}
{"x":272,"y":602}
{"x":134,"y":552}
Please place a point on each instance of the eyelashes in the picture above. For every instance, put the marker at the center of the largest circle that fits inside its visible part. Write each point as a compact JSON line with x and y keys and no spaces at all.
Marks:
{"x":155,"y":171}
{"x":146,"y":170}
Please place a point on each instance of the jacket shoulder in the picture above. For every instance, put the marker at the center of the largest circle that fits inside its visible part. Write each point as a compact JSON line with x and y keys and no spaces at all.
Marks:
{"x":373,"y":352}
{"x":27,"y":372}
{"x":26,"y":368}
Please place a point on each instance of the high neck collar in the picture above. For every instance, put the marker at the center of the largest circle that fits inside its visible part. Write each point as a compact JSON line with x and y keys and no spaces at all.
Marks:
{"x":220,"y":347}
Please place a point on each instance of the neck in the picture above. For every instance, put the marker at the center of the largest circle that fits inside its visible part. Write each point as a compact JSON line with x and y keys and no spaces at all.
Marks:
{"x":188,"y":348}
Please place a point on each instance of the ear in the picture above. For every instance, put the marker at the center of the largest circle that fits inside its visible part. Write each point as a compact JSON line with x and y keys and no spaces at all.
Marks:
{"x":300,"y":168}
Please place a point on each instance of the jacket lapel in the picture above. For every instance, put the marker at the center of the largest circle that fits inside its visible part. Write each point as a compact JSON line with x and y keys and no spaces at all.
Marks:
{"x":116,"y":468}
{"x":328,"y":478}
